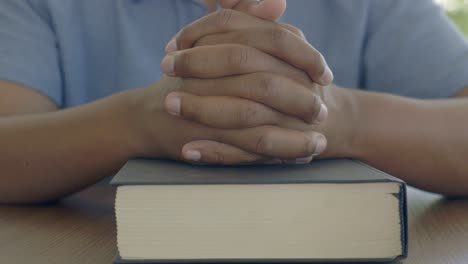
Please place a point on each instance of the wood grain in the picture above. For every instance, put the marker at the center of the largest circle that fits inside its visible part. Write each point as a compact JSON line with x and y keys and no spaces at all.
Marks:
{"x":81,"y":229}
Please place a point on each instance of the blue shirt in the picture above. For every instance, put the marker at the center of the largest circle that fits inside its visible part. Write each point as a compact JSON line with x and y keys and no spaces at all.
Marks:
{"x":76,"y":51}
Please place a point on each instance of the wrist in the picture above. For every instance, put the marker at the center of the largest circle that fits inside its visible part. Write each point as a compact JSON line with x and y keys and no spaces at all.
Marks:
{"x":343,"y":123}
{"x":146,"y":120}
{"x":121,"y":117}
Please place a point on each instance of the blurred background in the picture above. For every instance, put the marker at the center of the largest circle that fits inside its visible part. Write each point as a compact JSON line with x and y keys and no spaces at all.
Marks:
{"x":458,"y":11}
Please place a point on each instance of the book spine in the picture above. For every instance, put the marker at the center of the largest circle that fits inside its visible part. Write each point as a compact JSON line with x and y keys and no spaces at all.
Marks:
{"x":404,"y":221}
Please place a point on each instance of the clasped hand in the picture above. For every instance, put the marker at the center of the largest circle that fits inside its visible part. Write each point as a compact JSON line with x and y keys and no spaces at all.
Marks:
{"x":238,"y":89}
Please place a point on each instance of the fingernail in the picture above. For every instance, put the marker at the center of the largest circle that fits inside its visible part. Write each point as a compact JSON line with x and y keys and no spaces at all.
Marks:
{"x":303,"y":160}
{"x":327,"y":76}
{"x":173,"y":104}
{"x":323,"y":114}
{"x":167,"y":65}
{"x":320,"y":145}
{"x":171,"y":46}
{"x":193,"y":155}
{"x":257,"y":2}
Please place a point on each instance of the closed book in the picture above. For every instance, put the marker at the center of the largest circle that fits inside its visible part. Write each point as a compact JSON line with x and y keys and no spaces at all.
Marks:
{"x":327,"y":211}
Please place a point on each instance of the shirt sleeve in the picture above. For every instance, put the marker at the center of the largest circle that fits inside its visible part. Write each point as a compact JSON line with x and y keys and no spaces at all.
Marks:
{"x":414,"y":50}
{"x":28,"y":48}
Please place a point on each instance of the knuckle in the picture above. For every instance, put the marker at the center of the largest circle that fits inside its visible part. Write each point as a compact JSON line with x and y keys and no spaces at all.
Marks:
{"x":308,"y":148}
{"x":317,"y":63}
{"x":302,"y":34}
{"x":237,"y":56}
{"x":203,"y":41}
{"x":263,"y":144}
{"x":219,"y":157}
{"x":265,"y":87}
{"x":246,"y":38}
{"x":298,"y":32}
{"x":210,"y":40}
{"x":249,"y":115}
{"x":310,"y":144}
{"x":321,"y":61}
{"x":312,"y":107}
{"x":192,"y":111}
{"x":184,"y":37}
{"x":223,"y":17}
{"x":184,"y":63}
{"x":295,"y":30}
{"x":278,"y":37}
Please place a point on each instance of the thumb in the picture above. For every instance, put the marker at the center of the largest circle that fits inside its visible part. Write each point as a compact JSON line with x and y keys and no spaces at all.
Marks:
{"x":265,"y":9}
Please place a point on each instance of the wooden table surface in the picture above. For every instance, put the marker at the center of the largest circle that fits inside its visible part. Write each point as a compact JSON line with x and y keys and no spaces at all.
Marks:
{"x":81,"y":229}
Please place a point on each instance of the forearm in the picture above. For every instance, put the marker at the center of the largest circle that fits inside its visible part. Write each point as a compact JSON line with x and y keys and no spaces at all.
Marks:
{"x":424,"y":142}
{"x":48,"y":155}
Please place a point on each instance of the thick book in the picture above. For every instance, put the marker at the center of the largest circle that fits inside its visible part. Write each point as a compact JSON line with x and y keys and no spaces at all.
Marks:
{"x":326,"y":211}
